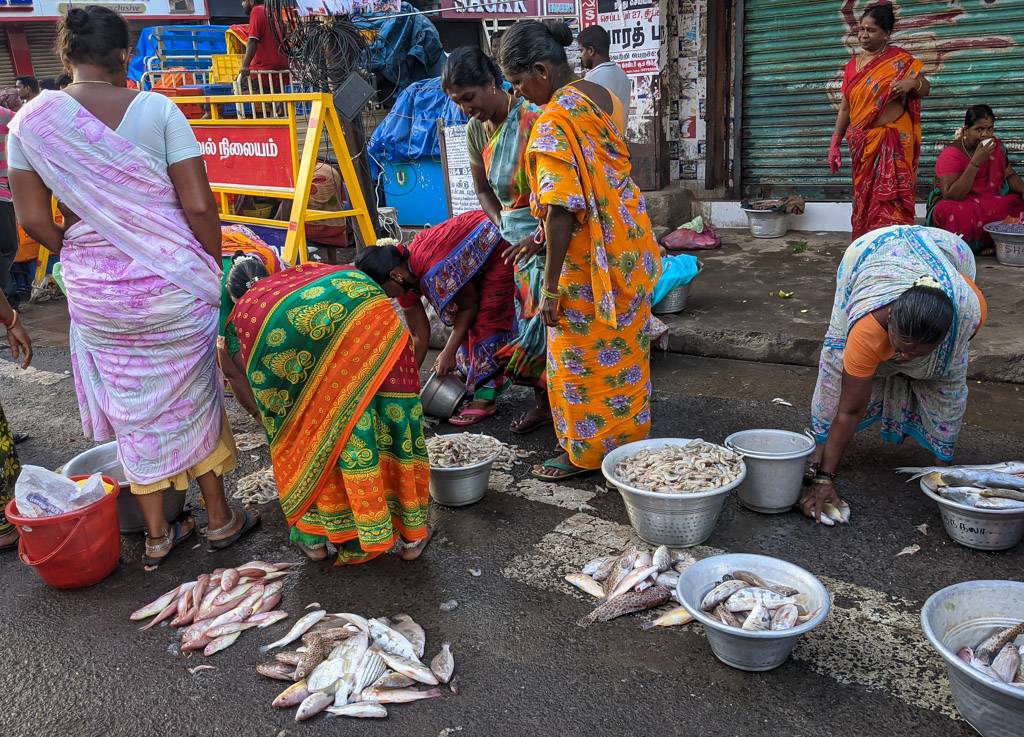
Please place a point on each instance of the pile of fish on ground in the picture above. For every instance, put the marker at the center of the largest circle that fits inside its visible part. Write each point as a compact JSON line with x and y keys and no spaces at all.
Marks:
{"x":999,"y":657}
{"x":217,"y":607}
{"x":679,"y":469}
{"x":633,"y":581}
{"x":746,"y":601}
{"x":352,"y":666}
{"x":996,"y":486}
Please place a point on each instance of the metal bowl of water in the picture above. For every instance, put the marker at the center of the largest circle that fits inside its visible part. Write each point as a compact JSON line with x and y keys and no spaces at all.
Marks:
{"x":103,"y":459}
{"x":767,"y":223}
{"x":458,"y":487}
{"x":981,"y":529}
{"x":963,"y":615}
{"x":441,"y":395}
{"x":742,"y":649}
{"x":775,"y":468}
{"x":678,"y":520}
{"x":1009,"y":246}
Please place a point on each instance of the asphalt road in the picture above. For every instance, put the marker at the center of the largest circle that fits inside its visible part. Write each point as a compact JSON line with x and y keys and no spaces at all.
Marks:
{"x":74,"y":664}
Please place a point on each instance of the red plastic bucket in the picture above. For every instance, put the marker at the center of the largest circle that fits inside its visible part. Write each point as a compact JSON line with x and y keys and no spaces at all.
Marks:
{"x":73,"y":550}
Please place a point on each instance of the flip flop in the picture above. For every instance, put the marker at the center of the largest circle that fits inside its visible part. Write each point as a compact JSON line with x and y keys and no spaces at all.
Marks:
{"x":250,"y":520}
{"x":524,"y":427}
{"x":472,"y":416}
{"x":170,"y":541}
{"x":572,"y":472}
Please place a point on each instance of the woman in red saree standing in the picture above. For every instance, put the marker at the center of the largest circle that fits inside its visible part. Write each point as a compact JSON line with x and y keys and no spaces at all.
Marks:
{"x":880,"y":116}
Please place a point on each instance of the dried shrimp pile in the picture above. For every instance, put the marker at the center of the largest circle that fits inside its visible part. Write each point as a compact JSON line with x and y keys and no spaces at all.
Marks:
{"x":257,"y":488}
{"x":464,"y":449}
{"x":681,"y":469}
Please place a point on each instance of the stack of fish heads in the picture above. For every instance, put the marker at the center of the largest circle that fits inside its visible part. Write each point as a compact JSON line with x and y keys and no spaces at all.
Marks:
{"x":351,"y":666}
{"x":745,"y":600}
{"x":999,"y":658}
{"x":632,"y":581}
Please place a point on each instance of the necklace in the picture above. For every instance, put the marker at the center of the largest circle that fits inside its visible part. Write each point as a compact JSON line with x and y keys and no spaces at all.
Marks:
{"x":91,"y":81}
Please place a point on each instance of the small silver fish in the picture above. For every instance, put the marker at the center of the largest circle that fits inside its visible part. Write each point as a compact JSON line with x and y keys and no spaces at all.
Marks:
{"x":599,"y":568}
{"x":1005,"y":664}
{"x":221,"y":643}
{"x":226,"y":629}
{"x":586,"y":584}
{"x":632,"y":579}
{"x":398,"y":695}
{"x":313,"y":705}
{"x":415,"y":670}
{"x":758,"y":619}
{"x":643,"y":560}
{"x":277,"y":671}
{"x":326,"y":675}
{"x":360,"y":710}
{"x":745,"y":599}
{"x":370,"y":668}
{"x":668,"y":579}
{"x":392,"y":680}
{"x":298,"y":630}
{"x":662,"y":558}
{"x":404,"y":624}
{"x":294,"y":694}
{"x":443,"y":664}
{"x":721,"y":593}
{"x":784,"y":617}
{"x":622,"y":566}
{"x":264,"y":619}
{"x":390,"y":640}
{"x":671,"y":618}
{"x":156,"y":606}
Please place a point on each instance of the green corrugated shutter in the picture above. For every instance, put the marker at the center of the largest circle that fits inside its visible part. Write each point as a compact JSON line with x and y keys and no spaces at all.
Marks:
{"x":794,"y":52}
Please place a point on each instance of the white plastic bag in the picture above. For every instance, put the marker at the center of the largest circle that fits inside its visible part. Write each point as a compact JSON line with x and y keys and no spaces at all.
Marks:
{"x":43,"y":493}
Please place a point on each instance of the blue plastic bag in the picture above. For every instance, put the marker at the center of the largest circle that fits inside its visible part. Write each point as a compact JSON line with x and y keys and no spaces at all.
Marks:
{"x":409,"y":132}
{"x":675,"y":272}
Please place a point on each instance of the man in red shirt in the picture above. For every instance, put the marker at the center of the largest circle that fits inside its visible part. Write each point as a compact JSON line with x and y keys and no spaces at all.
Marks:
{"x":262,"y":50}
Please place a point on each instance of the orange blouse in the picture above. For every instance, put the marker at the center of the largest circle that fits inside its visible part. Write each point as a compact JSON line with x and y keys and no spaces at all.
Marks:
{"x":868,"y":346}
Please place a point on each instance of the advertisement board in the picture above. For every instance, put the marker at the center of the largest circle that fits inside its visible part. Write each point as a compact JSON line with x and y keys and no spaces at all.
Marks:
{"x":476,"y":9}
{"x":43,"y":9}
{"x":634,"y":28}
{"x":250,"y":156}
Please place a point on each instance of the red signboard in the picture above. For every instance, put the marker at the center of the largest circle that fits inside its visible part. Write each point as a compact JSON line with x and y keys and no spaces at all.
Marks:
{"x":247,"y":156}
{"x":474,"y":9}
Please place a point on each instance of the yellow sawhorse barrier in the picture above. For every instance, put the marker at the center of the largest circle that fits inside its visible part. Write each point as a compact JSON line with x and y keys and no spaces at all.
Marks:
{"x":263,"y":157}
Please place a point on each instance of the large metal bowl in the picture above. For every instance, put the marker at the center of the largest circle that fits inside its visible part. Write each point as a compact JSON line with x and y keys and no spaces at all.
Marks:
{"x":981,"y":529}
{"x":1009,"y":246}
{"x":441,"y":395}
{"x":457,"y":487}
{"x":750,"y":651}
{"x":963,"y":615}
{"x":676,"y":520}
{"x":767,"y":223}
{"x":673,"y":302}
{"x":103,"y":459}
{"x":775,"y":468}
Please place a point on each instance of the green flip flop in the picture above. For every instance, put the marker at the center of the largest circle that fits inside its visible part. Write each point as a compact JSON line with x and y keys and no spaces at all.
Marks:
{"x":571,"y":471}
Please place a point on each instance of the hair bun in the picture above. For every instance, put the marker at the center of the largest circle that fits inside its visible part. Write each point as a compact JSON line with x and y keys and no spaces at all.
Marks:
{"x":559,"y":31}
{"x":77,"y":19}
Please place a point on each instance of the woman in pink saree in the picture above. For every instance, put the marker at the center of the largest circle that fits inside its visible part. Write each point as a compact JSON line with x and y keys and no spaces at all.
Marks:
{"x":140,"y":249}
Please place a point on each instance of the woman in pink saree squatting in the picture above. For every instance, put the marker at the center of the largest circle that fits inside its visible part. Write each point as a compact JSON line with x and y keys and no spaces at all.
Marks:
{"x":140,"y":251}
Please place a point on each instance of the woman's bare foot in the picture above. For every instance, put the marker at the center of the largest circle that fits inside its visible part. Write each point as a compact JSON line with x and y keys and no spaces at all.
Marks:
{"x":415,"y":550}
{"x":313,"y":552}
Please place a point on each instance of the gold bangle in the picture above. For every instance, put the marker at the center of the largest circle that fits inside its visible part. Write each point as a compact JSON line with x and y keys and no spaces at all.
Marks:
{"x":550,"y":295}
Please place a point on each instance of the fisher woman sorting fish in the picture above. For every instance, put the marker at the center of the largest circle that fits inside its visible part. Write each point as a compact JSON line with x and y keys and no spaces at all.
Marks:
{"x":458,"y":267}
{"x":906,"y":308}
{"x":318,"y":356}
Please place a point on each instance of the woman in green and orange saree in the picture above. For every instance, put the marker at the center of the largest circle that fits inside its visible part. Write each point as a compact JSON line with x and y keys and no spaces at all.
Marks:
{"x":318,"y":355}
{"x":880,"y":116}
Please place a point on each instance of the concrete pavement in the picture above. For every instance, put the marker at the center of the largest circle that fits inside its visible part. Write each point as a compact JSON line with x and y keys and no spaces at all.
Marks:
{"x":76,"y":665}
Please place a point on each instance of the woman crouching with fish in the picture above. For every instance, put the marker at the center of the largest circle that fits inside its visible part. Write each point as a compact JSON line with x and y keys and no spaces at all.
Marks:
{"x":905,"y":310}
{"x":318,"y":355}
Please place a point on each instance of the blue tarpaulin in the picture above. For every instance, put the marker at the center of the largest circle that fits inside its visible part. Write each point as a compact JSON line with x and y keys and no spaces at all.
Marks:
{"x":407,"y":48}
{"x":191,"y":42}
{"x":409,"y":132}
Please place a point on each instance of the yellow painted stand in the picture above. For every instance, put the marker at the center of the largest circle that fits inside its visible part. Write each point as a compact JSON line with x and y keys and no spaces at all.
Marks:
{"x":322,"y":117}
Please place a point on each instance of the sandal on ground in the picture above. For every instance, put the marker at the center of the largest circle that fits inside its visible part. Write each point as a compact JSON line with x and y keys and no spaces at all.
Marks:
{"x":472,"y":416}
{"x":250,"y":519}
{"x":313,"y":552}
{"x":158,"y":548}
{"x":413,"y":550}
{"x":13,"y":544}
{"x":525,"y":424}
{"x":569,"y":471}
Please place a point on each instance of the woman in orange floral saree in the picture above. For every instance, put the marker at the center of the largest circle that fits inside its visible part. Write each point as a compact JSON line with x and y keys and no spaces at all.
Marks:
{"x":880,"y":115}
{"x":602,"y":260}
{"x":331,"y":377}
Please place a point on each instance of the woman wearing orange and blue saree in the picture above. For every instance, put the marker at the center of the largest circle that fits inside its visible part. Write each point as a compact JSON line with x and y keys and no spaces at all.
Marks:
{"x":331,"y":377}
{"x":602,"y":260}
{"x":880,"y":116}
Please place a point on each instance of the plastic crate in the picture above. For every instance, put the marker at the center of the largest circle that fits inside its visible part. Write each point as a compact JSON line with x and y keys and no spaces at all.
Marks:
{"x":226,"y":67}
{"x":190,"y":110}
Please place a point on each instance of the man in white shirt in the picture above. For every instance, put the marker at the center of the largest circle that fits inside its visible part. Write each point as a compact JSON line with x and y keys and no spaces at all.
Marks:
{"x":595,"y":46}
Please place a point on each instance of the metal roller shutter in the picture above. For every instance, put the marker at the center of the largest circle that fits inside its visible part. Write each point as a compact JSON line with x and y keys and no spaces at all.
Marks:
{"x":794,"y":52}
{"x":6,"y":67}
{"x":41,"y":38}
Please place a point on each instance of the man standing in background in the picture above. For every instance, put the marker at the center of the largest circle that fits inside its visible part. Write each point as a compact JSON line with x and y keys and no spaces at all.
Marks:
{"x":28,"y":88}
{"x":595,"y":47}
{"x":262,"y":50}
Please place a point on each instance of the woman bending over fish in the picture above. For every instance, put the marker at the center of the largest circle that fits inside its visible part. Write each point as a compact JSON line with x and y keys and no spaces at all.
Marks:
{"x":905,"y":310}
{"x":318,"y":355}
